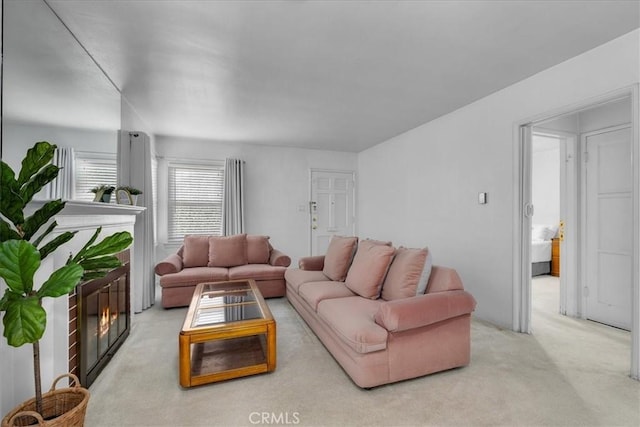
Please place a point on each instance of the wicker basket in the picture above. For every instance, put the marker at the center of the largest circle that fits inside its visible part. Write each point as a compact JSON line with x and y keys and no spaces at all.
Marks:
{"x":64,"y":407}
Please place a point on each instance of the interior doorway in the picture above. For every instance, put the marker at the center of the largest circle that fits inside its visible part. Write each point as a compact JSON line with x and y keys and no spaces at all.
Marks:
{"x":571,"y":126}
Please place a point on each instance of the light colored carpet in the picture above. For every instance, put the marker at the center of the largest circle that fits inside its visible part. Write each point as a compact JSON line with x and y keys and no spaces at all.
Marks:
{"x":569,"y":372}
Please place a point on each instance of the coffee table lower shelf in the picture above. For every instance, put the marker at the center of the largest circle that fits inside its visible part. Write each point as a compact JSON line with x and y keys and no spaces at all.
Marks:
{"x":225,"y":354}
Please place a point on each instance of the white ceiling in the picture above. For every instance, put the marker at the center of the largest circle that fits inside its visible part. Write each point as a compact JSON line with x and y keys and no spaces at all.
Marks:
{"x":326,"y":74}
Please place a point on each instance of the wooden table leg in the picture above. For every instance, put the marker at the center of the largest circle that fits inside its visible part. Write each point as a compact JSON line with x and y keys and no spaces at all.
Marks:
{"x":271,"y":347}
{"x":184,"y":347}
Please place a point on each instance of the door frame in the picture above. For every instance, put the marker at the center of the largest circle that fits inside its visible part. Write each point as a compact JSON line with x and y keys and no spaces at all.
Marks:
{"x":583,"y":206}
{"x":521,"y":319}
{"x":353,"y":195}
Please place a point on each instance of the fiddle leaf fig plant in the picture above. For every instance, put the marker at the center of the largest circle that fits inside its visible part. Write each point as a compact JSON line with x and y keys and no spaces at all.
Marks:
{"x":23,"y":247}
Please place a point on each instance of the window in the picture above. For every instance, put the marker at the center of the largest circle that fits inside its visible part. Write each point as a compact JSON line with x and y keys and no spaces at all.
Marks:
{"x":195,"y":199}
{"x":92,"y":170}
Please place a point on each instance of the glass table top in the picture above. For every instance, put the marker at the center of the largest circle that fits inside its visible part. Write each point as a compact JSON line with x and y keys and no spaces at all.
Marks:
{"x":225,"y":302}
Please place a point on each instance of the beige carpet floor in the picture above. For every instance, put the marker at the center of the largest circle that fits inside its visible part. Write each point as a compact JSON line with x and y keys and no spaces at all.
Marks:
{"x":569,"y":372}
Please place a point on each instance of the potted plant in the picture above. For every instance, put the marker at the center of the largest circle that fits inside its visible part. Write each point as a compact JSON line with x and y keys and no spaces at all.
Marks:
{"x":103,"y":193}
{"x":127,"y":195}
{"x":22,"y":248}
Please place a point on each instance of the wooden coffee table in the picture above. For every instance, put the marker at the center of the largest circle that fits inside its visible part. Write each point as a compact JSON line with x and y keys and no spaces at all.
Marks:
{"x":229,"y":332}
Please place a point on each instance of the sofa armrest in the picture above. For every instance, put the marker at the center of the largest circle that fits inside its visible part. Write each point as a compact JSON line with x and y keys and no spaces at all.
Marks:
{"x":414,"y":312}
{"x":171,"y":264}
{"x":311,"y":263}
{"x":279,"y":259}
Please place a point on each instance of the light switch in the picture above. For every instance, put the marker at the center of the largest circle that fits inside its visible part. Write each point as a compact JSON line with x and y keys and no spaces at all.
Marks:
{"x":482,"y":198}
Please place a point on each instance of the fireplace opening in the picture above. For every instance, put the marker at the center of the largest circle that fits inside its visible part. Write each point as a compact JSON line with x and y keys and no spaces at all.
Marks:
{"x":99,"y":321}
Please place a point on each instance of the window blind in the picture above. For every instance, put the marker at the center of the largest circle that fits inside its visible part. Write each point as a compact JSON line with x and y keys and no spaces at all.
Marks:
{"x":92,"y":170}
{"x":194,"y":200}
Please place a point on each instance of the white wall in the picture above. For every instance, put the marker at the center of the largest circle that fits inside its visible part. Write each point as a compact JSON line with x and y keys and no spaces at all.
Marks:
{"x":420,"y":188}
{"x":276,"y":185}
{"x":18,"y":137}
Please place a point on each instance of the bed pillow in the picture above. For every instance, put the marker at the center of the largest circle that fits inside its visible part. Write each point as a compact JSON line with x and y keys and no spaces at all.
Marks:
{"x":369,"y":268}
{"x":195,"y":251}
{"x":404,"y":274}
{"x":543,"y":232}
{"x":338,"y":257}
{"x":227,"y":251}
{"x":258,"y":249}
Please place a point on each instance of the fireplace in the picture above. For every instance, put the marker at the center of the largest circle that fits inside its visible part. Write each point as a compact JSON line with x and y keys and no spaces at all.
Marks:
{"x":99,"y":321}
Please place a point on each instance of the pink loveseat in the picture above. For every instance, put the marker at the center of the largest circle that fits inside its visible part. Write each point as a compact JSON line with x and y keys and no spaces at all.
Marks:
{"x":385,"y":314}
{"x":216,"y":258}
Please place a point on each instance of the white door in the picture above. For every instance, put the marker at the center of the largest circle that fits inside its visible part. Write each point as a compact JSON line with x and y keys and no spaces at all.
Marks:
{"x":332,"y":207}
{"x":609,"y":227}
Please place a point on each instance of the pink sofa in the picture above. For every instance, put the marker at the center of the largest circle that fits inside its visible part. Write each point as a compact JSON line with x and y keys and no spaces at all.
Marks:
{"x":385,"y":314}
{"x":216,"y":258}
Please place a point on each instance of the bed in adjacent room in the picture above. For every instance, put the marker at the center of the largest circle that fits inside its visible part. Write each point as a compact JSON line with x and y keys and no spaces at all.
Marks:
{"x":541,"y":236}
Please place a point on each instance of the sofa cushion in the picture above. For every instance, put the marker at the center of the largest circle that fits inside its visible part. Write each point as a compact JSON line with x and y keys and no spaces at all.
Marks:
{"x":195,"y":251}
{"x":296,"y":277}
{"x":314,"y":292}
{"x":369,"y":267}
{"x":194,"y":275}
{"x":258,"y":249}
{"x":227,"y":251}
{"x":352,"y":320}
{"x":338,"y":257}
{"x":404,"y":273}
{"x":256,"y":272}
{"x":443,"y":279}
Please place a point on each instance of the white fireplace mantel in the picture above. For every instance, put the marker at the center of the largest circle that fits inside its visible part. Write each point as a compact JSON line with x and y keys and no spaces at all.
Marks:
{"x":78,"y":207}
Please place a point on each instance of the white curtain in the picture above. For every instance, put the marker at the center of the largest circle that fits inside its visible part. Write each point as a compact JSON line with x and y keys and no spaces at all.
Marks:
{"x":63,"y":187}
{"x":135,"y":168}
{"x":233,"y":197}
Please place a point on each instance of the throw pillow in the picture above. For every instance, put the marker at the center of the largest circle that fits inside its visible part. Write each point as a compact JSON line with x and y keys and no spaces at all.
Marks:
{"x":369,"y":269}
{"x":338,"y":257}
{"x":426,"y":273}
{"x":379,"y":242}
{"x":404,"y":274}
{"x":258,"y":250}
{"x":196,"y":251}
{"x":227,"y":251}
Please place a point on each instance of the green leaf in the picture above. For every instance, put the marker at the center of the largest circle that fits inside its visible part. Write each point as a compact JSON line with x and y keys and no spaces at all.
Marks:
{"x":95,"y":274}
{"x":109,"y":245}
{"x":24,"y":321}
{"x":40,"y":217}
{"x":8,"y":233}
{"x":55,"y":243}
{"x":11,"y":204}
{"x":36,"y":158}
{"x":61,"y":281}
{"x":35,"y":184}
{"x":19,"y":261}
{"x":108,"y":262}
{"x":46,"y":232}
{"x":8,"y":296}
{"x":82,"y":251}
